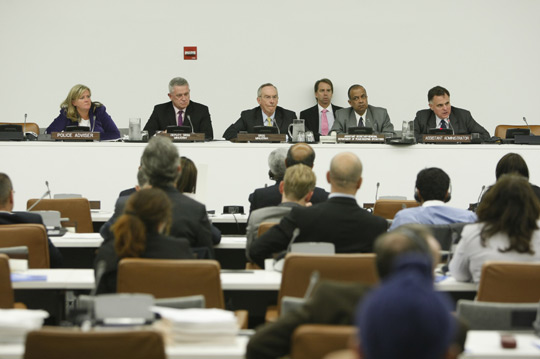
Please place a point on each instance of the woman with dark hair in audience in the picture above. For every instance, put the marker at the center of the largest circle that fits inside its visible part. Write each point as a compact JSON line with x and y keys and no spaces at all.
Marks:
{"x":187,"y":184}
{"x":507,"y":229}
{"x":140,"y":232}
{"x":514,"y":163}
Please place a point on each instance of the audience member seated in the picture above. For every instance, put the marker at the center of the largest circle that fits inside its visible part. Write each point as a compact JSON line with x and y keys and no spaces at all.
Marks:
{"x":268,"y":113}
{"x":433,"y":191}
{"x":187,"y":184}
{"x":514,"y":163}
{"x":140,"y":232}
{"x":79,"y":110}
{"x":276,"y":165}
{"x":334,"y":302}
{"x":405,"y":317}
{"x":270,"y":196}
{"x":507,"y":229}
{"x":9,"y":217}
{"x":160,"y":163}
{"x":296,"y":190}
{"x":338,"y":220}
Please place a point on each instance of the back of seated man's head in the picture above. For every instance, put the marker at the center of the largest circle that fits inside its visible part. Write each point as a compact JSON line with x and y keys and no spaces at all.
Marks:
{"x":406,"y":239}
{"x":6,"y":189}
{"x":300,"y":153}
{"x":276,"y":164}
{"x":160,"y":162}
{"x":511,"y":163}
{"x":405,"y":317}
{"x":432,"y":184}
{"x":345,"y":172}
{"x":298,"y":182}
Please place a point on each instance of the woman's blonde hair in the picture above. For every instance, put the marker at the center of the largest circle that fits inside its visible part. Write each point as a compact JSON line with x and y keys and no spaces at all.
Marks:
{"x":74,"y":94}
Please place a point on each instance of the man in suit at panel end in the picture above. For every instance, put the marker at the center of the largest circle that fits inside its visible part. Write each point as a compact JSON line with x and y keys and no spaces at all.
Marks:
{"x":441,"y":114}
{"x":361,"y":114}
{"x":268,"y":113}
{"x":320,"y":118}
{"x":180,"y":111}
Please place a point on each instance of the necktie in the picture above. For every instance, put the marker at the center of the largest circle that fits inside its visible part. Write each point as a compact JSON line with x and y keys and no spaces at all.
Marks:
{"x":443,"y":124}
{"x":180,"y":118}
{"x":361,"y":122}
{"x":269,"y":120}
{"x":324,"y":123}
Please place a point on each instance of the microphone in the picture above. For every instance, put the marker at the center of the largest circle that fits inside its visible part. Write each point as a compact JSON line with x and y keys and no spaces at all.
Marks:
{"x":26,"y":115}
{"x":481,"y":193}
{"x":295,"y":235}
{"x":313,"y":279}
{"x":452,"y":127}
{"x":93,"y":124}
{"x":191,"y":123}
{"x":530,"y":131}
{"x":48,"y":192}
{"x":100,"y":270}
{"x":377,"y":191}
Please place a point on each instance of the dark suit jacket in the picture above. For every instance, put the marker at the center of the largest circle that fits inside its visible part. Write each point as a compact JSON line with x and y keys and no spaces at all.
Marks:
{"x":55,"y":257}
{"x":331,"y":303}
{"x":270,"y":196}
{"x":311,"y":115}
{"x":339,"y":220}
{"x":189,"y":220}
{"x":460,"y":120}
{"x":164,"y":115}
{"x":157,"y":246}
{"x":251,"y":118}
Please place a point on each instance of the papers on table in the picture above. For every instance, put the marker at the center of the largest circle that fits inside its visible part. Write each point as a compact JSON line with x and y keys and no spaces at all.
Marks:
{"x":15,"y":323}
{"x":211,"y":326}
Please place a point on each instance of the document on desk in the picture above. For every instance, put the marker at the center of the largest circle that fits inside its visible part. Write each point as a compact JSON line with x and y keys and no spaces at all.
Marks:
{"x":23,"y":277}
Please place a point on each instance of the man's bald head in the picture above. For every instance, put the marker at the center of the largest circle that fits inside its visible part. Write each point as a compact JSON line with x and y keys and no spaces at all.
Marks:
{"x":300,"y":153}
{"x":345,"y":173}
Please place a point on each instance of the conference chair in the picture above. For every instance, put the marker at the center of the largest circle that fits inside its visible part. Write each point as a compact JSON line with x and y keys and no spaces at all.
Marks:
{"x":497,"y":316}
{"x":76,"y":209}
{"x":297,"y":270}
{"x":509,"y":282}
{"x":7,"y":299}
{"x":447,"y":234}
{"x":387,"y":208}
{"x":263,"y":228}
{"x":33,"y":236}
{"x":61,"y":343}
{"x":314,"y":341}
{"x":168,"y":278}
{"x":30,"y":126}
{"x":500,"y":130}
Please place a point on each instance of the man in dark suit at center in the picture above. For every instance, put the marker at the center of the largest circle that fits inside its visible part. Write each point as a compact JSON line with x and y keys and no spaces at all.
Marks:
{"x":320,"y":118}
{"x":441,"y":114}
{"x":180,"y":111}
{"x":338,"y":220}
{"x":268,"y":113}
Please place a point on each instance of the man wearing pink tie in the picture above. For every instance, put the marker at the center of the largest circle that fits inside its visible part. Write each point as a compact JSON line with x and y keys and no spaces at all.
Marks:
{"x":320,"y":118}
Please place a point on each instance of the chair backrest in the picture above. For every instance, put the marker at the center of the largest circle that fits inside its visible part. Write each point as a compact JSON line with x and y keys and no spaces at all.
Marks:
{"x":6,"y":291}
{"x":168,"y":278}
{"x":298,"y":268}
{"x":33,"y":236}
{"x":509,"y":282}
{"x":76,"y":209}
{"x":500,"y":130}
{"x":67,"y":344}
{"x":447,"y":234}
{"x":30,"y":126}
{"x":314,"y":341}
{"x":497,"y":316}
{"x":387,"y":208}
{"x":265,"y":226}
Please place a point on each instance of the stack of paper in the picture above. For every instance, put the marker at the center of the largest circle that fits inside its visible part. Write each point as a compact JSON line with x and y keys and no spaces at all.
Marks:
{"x":15,"y":323}
{"x":211,"y":326}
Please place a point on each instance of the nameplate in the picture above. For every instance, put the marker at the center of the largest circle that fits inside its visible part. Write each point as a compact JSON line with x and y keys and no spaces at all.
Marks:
{"x":184,"y":137}
{"x":76,"y":136}
{"x":446,"y":138}
{"x":261,"y":137}
{"x":350,"y":138}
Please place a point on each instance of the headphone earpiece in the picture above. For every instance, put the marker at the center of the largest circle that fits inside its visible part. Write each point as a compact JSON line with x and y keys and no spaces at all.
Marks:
{"x":417,"y":195}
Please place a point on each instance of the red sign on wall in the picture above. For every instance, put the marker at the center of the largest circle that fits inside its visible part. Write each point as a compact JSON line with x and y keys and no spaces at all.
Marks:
{"x":190,"y":52}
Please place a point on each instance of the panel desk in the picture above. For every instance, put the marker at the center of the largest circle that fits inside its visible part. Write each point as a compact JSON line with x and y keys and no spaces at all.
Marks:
{"x":229,"y":172}
{"x":486,"y":344}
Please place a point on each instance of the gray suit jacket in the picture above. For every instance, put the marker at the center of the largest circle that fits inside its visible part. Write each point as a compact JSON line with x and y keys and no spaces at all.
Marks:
{"x":375,"y":117}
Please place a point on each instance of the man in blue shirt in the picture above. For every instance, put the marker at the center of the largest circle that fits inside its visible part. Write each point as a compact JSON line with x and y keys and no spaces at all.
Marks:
{"x":432,"y":191}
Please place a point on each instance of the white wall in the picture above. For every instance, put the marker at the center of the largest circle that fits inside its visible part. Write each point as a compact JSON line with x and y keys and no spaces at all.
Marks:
{"x":484,"y":51}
